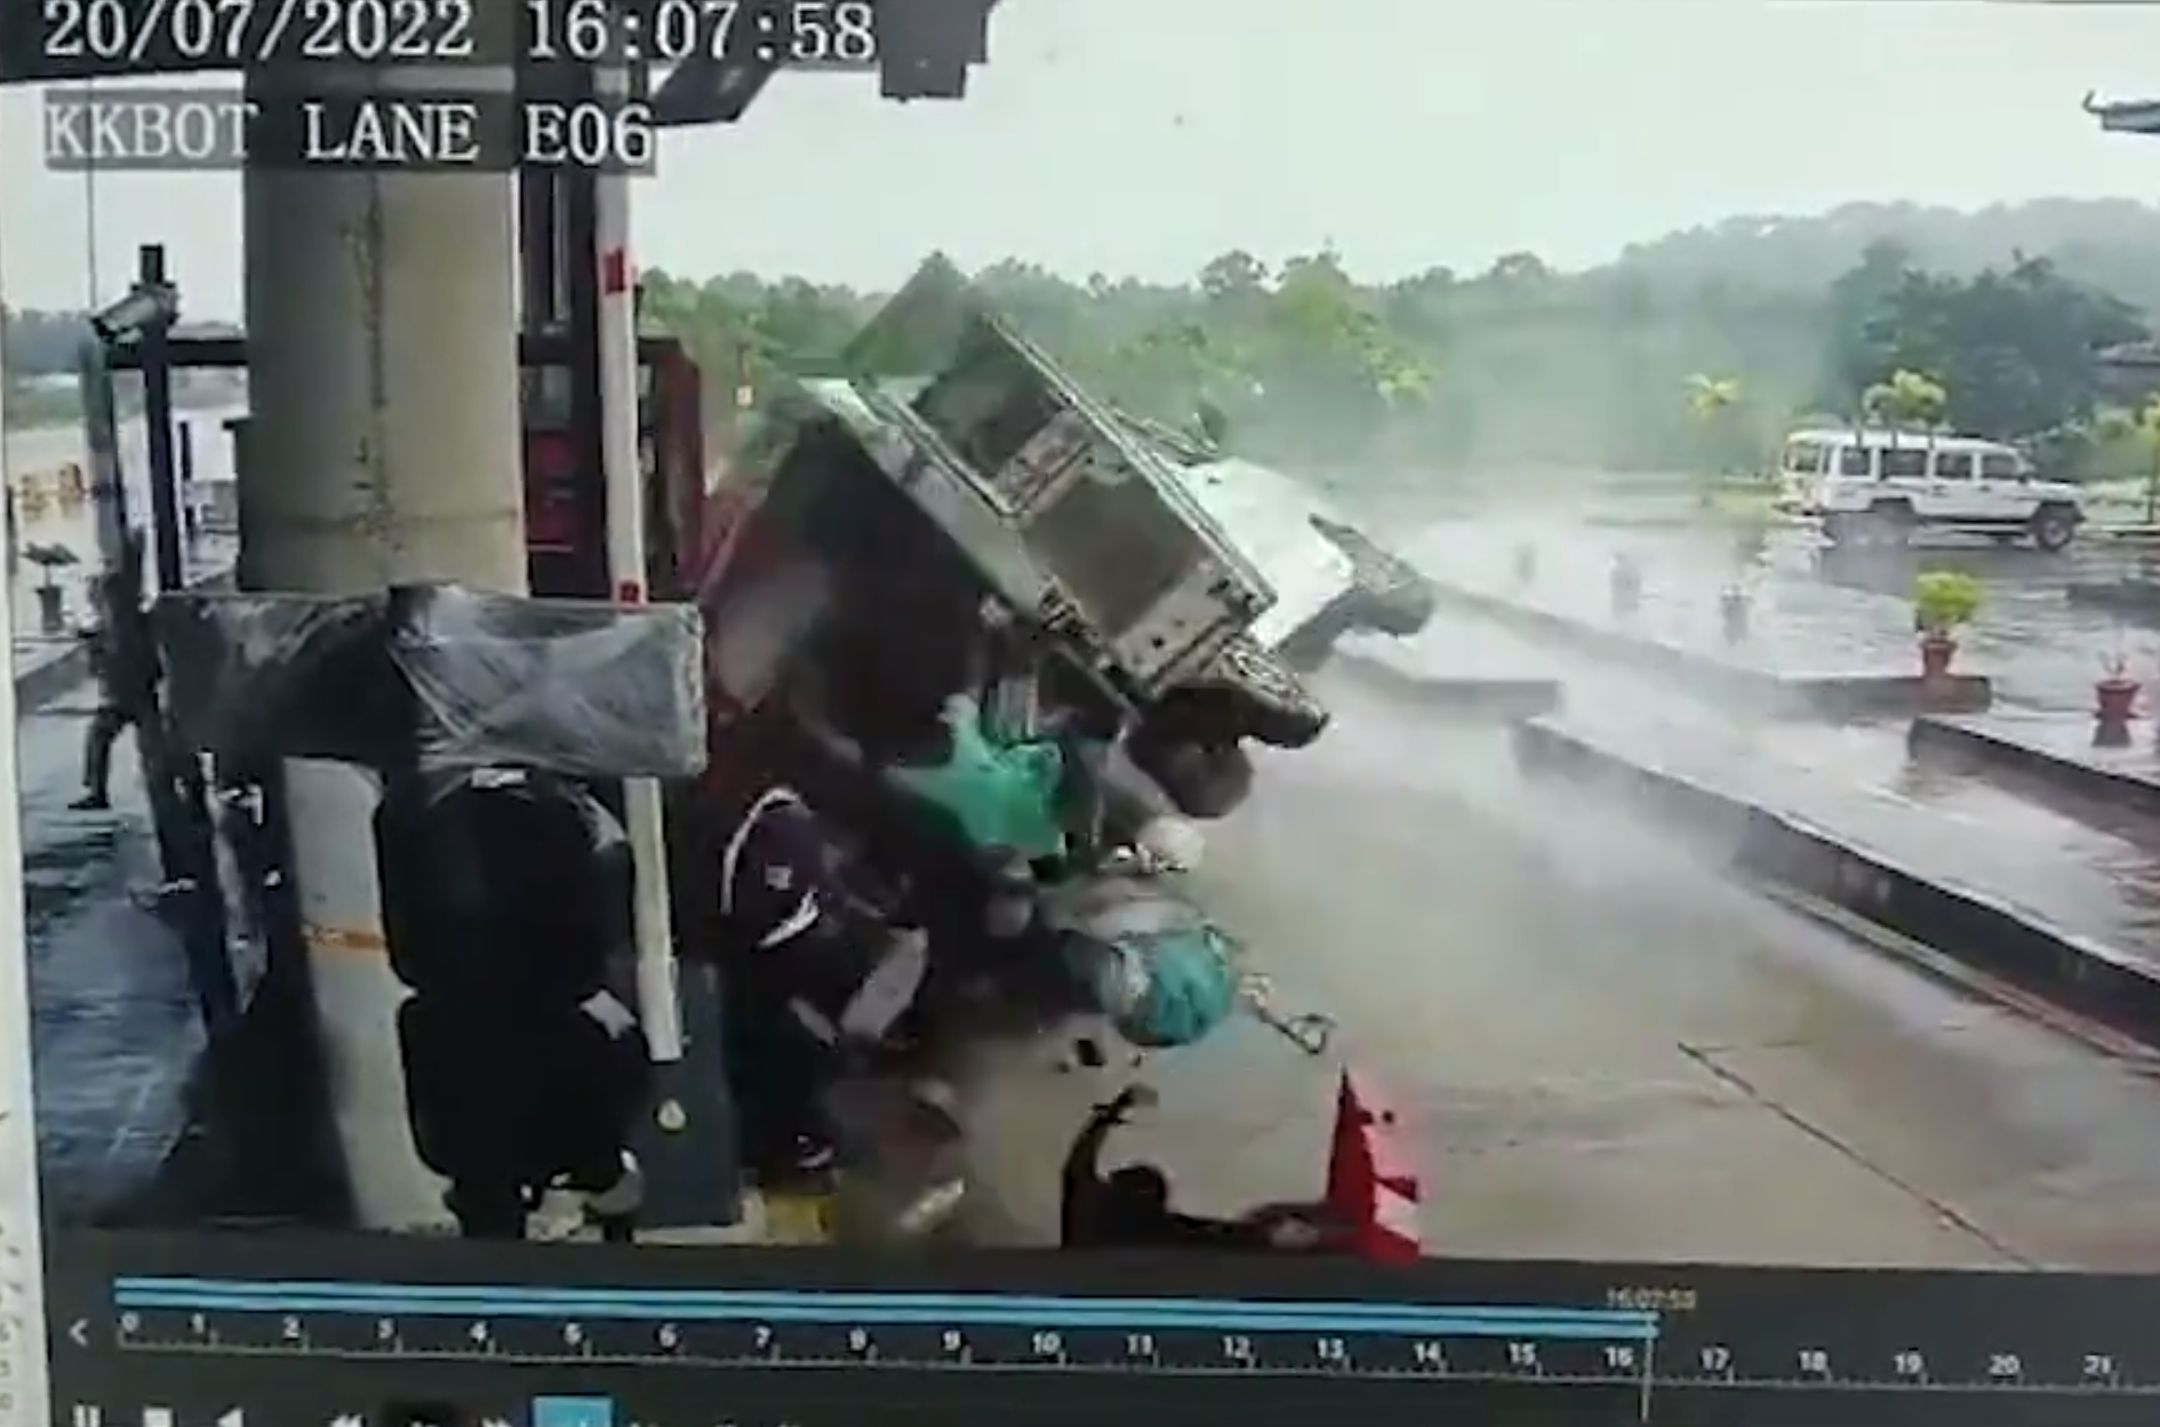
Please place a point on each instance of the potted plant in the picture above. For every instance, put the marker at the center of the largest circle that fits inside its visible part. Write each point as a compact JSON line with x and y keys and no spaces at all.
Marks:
{"x":1942,"y":601}
{"x":2116,"y":692}
{"x":52,"y":615}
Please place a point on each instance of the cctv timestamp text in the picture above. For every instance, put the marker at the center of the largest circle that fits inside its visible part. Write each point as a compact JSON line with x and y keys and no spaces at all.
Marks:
{"x":817,"y":33}
{"x":84,"y":37}
{"x":432,"y":131}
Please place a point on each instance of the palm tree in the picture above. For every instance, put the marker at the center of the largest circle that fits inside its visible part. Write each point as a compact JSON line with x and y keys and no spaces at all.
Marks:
{"x":1711,"y":399}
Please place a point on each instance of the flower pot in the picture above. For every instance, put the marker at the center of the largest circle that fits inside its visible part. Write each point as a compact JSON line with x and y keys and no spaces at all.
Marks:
{"x":1936,"y":652}
{"x":2116,"y":698}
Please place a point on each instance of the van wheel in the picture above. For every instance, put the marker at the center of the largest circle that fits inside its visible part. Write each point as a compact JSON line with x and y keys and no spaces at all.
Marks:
{"x":2053,"y":528}
{"x":1888,"y":523}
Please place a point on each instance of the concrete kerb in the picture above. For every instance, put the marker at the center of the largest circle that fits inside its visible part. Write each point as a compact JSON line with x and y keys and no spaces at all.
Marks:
{"x":1982,"y":931}
{"x":2134,"y":599}
{"x":1502,"y":699}
{"x":46,"y":680}
{"x":1943,"y":736}
{"x":1831,"y":696}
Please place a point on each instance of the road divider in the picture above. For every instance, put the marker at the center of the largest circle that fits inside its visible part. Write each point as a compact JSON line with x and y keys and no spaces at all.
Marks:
{"x":1983,"y":931}
{"x":1474,"y":698}
{"x":48,"y":669}
{"x":2057,"y":748}
{"x":1831,"y":696}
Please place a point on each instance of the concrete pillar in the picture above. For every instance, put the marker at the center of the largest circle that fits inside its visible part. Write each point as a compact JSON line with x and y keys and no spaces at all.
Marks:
{"x":383,"y":449}
{"x":382,"y":345}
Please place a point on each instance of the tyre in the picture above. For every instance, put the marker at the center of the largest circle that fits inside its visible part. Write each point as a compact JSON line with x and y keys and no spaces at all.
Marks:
{"x":1203,"y":781}
{"x":1248,"y":692}
{"x":1391,"y":595}
{"x":2053,"y":527}
{"x":1888,"y":523}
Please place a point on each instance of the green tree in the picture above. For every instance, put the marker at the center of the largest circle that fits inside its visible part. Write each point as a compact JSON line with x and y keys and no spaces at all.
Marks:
{"x":1908,"y":398}
{"x":1711,"y":401}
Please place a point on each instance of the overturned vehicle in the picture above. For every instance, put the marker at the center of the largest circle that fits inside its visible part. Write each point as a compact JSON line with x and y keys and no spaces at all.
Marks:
{"x":1006,"y":645}
{"x":1078,"y":565}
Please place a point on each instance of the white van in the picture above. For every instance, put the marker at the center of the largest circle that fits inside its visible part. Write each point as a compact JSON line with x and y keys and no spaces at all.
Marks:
{"x":1875,"y":486}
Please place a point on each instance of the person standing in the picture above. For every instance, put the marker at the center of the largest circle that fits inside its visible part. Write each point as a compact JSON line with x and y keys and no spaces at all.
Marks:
{"x":125,"y":668}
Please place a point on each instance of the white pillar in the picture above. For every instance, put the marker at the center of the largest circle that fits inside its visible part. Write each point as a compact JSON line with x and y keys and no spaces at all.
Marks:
{"x":383,"y":449}
{"x":22,"y":1284}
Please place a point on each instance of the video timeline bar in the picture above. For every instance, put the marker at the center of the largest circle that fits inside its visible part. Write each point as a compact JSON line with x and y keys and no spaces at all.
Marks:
{"x":844,"y":1308}
{"x":895,"y":1331}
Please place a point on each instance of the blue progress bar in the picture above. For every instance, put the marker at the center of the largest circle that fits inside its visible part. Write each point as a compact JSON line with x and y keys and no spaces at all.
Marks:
{"x":872,"y":1309}
{"x":573,"y":1412}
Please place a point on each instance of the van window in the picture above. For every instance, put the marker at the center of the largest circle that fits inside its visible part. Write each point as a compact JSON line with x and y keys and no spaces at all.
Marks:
{"x":1953,"y":465}
{"x":1853,"y":461}
{"x":1904,"y":462}
{"x":1999,"y":466}
{"x":1806,"y":458}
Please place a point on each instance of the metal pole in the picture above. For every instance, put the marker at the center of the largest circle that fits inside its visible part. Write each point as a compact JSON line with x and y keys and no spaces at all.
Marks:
{"x":178,"y":814}
{"x":659,"y":997}
{"x":157,"y":419}
{"x":190,"y":512}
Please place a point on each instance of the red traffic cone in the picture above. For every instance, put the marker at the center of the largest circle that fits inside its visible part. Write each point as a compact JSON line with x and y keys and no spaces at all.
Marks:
{"x":1372,"y":1183}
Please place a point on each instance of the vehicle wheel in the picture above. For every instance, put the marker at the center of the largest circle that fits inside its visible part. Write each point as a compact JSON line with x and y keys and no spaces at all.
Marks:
{"x":1204,"y":781}
{"x":1390,"y":594}
{"x":1888,"y":524}
{"x":2053,"y":528}
{"x":1248,"y":692}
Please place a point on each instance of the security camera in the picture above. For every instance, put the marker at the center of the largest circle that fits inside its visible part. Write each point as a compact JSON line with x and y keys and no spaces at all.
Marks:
{"x":147,"y":305}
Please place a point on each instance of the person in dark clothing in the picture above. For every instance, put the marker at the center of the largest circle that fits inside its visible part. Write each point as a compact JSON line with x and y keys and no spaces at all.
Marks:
{"x":1130,"y":1208}
{"x":820,"y":969}
{"x":125,"y":669}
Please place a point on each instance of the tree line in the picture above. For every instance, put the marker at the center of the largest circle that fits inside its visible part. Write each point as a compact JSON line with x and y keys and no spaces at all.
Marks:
{"x":1303,"y":364}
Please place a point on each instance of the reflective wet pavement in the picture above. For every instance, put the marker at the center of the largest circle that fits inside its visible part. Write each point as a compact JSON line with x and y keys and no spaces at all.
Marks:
{"x":1814,"y":610}
{"x":114,"y":1031}
{"x":1611,"y":1049}
{"x":1608,"y":1047}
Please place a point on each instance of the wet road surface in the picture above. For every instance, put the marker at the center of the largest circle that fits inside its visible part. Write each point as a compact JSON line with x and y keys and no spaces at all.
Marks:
{"x":1607,"y":1047}
{"x":115,"y":1030}
{"x":1816,"y":610}
{"x":1611,"y":1051}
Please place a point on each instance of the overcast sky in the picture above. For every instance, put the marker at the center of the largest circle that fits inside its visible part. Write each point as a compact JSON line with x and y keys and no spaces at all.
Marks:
{"x":1144,"y":136}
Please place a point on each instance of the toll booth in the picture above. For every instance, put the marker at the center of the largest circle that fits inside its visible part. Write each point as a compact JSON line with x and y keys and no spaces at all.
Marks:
{"x":565,"y":498}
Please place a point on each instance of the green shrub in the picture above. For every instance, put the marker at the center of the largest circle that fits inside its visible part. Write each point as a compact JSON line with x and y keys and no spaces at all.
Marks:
{"x":1943,"y":600}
